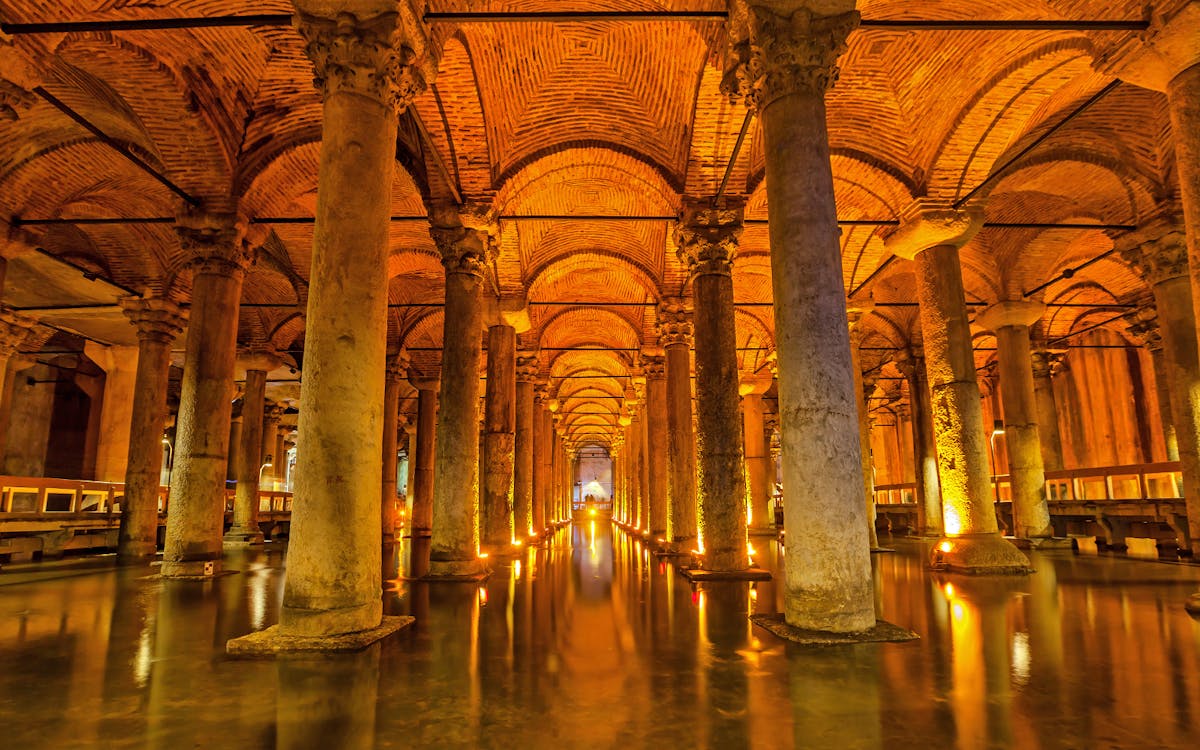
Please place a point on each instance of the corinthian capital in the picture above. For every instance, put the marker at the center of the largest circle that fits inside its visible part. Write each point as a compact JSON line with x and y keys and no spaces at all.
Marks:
{"x":463,"y":250}
{"x":214,"y":242}
{"x":1157,"y":252}
{"x":385,"y":57}
{"x":707,"y":235}
{"x":773,"y":56}
{"x":674,"y":324}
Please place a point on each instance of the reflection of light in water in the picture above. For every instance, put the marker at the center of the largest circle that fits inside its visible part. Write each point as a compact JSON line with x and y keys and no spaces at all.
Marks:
{"x":141,"y":662}
{"x":258,"y":601}
{"x":592,"y":538}
{"x":1020,"y":658}
{"x":516,"y":570}
{"x":483,"y":596}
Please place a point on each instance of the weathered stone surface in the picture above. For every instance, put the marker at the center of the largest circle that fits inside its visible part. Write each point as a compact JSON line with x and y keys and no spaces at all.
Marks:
{"x":276,"y":642}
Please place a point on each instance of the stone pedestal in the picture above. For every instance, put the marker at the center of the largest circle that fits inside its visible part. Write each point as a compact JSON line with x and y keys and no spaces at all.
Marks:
{"x":158,"y":323}
{"x":523,"y":517}
{"x":782,"y":66}
{"x":454,"y":549}
{"x":1159,"y":253}
{"x":1010,"y":321}
{"x":366,"y":71}
{"x":931,"y":234}
{"x":707,"y":237}
{"x":499,"y":442}
{"x":116,"y":411}
{"x":195,"y":520}
{"x":245,"y":529}
{"x":929,"y":490}
{"x":675,"y":336}
{"x":657,"y":476}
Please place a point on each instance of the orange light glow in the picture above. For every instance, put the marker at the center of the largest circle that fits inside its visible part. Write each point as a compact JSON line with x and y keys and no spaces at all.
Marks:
{"x":591,"y":511}
{"x":946,"y":546}
{"x":483,"y":596}
{"x":949,"y":589}
{"x":483,"y":555}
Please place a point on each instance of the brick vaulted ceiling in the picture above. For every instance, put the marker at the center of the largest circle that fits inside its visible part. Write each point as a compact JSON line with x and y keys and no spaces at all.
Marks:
{"x":589,"y":118}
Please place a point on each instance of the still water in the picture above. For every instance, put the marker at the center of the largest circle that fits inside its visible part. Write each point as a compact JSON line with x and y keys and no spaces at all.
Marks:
{"x":592,"y":642}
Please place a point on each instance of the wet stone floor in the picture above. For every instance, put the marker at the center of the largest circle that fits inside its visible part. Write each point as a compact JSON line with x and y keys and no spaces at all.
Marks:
{"x":593,"y":642}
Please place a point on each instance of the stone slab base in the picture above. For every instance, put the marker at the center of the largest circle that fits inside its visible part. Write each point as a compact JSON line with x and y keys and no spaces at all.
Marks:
{"x":983,"y":554}
{"x":160,"y":577}
{"x":883,"y":632}
{"x":271,"y":642}
{"x":1193,"y":606}
{"x":242,"y":540}
{"x":881,"y":550}
{"x":756,"y":531}
{"x":699,"y":575}
{"x":1048,"y":543}
{"x":456,"y":570}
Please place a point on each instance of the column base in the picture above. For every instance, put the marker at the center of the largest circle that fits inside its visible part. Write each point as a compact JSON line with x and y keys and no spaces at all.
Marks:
{"x":242,"y":537}
{"x":191,"y":570}
{"x":457,"y":570}
{"x":982,"y":554}
{"x":678,"y":548}
{"x":762,"y":531}
{"x":273,"y":642}
{"x":1045,"y":543}
{"x":883,"y":632}
{"x":699,"y":575}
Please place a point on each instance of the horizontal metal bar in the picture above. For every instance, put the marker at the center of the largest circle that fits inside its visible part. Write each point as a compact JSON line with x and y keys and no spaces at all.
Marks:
{"x":573,"y":16}
{"x":1002,"y":25}
{"x":146,"y":24}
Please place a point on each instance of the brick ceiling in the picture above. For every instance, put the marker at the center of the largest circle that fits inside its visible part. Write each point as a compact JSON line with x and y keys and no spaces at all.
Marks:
{"x":598,"y":118}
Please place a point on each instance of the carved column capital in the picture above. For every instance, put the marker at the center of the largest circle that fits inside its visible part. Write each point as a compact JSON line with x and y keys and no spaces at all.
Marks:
{"x":396,"y":369}
{"x":1047,"y":363}
{"x":773,"y":56}
{"x":528,"y":365}
{"x":214,"y":243}
{"x":1145,"y":329}
{"x":674,"y":324}
{"x":654,"y":367}
{"x":463,"y":250}
{"x":384,"y":57}
{"x":927,"y":223}
{"x":15,"y":331}
{"x":706,"y":235}
{"x":1157,"y":253}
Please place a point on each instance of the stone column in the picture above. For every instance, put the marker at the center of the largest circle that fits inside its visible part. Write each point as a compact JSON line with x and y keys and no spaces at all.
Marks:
{"x":706,"y":237}
{"x":245,"y":529}
{"x":499,"y":439}
{"x":527,"y":365}
{"x":421,"y":513}
{"x":863,"y":388}
{"x":394,"y":381}
{"x":158,"y":322}
{"x":929,"y":492}
{"x":195,"y":520}
{"x":675,"y":336}
{"x":233,"y":465}
{"x":758,"y":458}
{"x":1010,"y":321}
{"x":637,"y":468}
{"x":782,"y":69}
{"x":655,"y":370}
{"x":1045,"y":365}
{"x":931,"y":234}
{"x":1159,"y":253}
{"x":269,"y":450}
{"x":366,"y":71}
{"x":116,"y":416}
{"x":454,"y":552}
{"x":1145,"y":330}
{"x":541,"y":458}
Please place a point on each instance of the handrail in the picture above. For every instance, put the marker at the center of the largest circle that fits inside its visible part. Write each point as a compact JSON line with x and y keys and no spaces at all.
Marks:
{"x":36,"y":496}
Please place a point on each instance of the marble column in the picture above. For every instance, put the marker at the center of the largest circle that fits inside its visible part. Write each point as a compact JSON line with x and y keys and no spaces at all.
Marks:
{"x":706,"y":237}
{"x":527,"y":365}
{"x":758,"y":458}
{"x":931,"y":234}
{"x":782,"y":69}
{"x":269,"y":451}
{"x":1045,"y":365}
{"x":366,"y":70}
{"x":233,"y":465}
{"x":863,"y":389}
{"x":1145,"y":330}
{"x":158,"y":322}
{"x":245,"y":530}
{"x":116,"y":416}
{"x":195,"y":521}
{"x":499,"y":441}
{"x":394,"y":381}
{"x":1010,"y":321}
{"x":15,"y":329}
{"x":1159,"y":253}
{"x":637,"y":467}
{"x":541,"y":458}
{"x":454,"y":550}
{"x":655,"y":369}
{"x":675,"y":336}
{"x":911,"y":363}
{"x":421,"y":512}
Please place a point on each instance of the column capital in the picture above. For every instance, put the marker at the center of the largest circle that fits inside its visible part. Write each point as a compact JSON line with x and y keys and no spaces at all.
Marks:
{"x":772,"y":56}
{"x":1153,"y":58}
{"x":654,"y":367}
{"x":910,"y":361}
{"x":1047,"y":363}
{"x":272,"y":410}
{"x":258,"y":357}
{"x":155,"y":318}
{"x":1145,"y":329}
{"x":707,"y":234}
{"x":1010,"y":313}
{"x":463,"y":250}
{"x":1157,"y":252}
{"x":15,"y":331}
{"x":214,"y":242}
{"x":928,"y":223}
{"x":385,"y":57}
{"x":673,"y":324}
{"x":528,"y":365}
{"x":396,"y":369}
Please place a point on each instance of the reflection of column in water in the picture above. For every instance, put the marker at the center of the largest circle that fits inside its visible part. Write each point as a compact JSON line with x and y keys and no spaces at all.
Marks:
{"x":835,"y":696}
{"x":88,"y":623}
{"x":981,"y":698}
{"x":328,"y":702}
{"x":184,"y":633}
{"x":452,"y":670}
{"x":130,"y":649}
{"x":493,"y":658}
{"x":727,"y":631}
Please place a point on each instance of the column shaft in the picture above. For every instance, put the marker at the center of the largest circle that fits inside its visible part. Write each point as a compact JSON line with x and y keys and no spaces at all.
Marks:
{"x":1177,"y":324}
{"x":1031,"y":515}
{"x":112,"y":453}
{"x":389,"y":511}
{"x":929,"y":490}
{"x":421,"y":516}
{"x":1047,"y":409}
{"x":523,"y":519}
{"x":245,"y":528}
{"x":496,"y":514}
{"x":681,"y":447}
{"x":656,"y":461}
{"x":758,"y":465}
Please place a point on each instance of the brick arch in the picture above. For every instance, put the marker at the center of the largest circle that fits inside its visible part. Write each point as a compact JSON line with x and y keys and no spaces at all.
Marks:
{"x":584,"y":326}
{"x":1107,"y":176}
